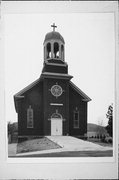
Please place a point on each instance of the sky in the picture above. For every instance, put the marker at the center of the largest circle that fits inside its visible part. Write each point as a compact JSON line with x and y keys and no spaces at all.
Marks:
{"x":89,"y":52}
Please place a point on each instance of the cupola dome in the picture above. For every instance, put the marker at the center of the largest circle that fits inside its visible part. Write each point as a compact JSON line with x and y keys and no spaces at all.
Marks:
{"x":53,"y":36}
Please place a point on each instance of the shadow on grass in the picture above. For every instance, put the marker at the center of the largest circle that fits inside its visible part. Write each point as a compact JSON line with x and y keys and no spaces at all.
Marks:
{"x":36,"y":145}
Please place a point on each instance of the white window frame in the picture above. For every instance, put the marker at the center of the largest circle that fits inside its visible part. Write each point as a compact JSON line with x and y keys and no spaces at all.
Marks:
{"x":76,"y":120}
{"x":30,"y":117}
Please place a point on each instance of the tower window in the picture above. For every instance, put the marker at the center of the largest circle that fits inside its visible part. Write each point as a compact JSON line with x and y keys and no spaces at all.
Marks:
{"x":29,"y":117}
{"x":62,"y":52}
{"x":48,"y":50}
{"x":56,"y":50}
{"x":76,"y":119}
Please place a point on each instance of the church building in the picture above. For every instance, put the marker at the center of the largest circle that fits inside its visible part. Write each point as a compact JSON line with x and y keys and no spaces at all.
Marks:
{"x":52,"y":105}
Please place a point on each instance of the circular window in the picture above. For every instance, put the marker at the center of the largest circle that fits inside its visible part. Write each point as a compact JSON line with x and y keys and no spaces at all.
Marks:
{"x":56,"y":90}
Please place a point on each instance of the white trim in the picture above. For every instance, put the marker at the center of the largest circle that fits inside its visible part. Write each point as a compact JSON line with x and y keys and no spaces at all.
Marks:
{"x":74,"y":120}
{"x":57,"y":74}
{"x":56,"y":104}
{"x":58,"y":114}
{"x":56,"y":64}
{"x":56,"y":127}
{"x":56,"y":93}
{"x":30,"y":117}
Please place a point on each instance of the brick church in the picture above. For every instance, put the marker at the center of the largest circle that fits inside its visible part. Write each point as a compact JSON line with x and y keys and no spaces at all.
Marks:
{"x":52,"y":105}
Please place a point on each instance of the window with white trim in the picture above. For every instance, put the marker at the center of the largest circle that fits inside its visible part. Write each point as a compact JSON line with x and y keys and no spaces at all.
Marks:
{"x":76,"y":118}
{"x":29,"y":117}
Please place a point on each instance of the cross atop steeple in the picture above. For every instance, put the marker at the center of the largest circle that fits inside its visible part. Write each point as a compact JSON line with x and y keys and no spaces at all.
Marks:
{"x":54,"y":26}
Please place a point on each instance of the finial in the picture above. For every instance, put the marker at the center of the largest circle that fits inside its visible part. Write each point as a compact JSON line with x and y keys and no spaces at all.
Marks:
{"x":54,"y":26}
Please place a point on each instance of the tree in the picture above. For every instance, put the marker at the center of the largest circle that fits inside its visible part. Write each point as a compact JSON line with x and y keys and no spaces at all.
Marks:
{"x":9,"y":128}
{"x":100,"y":128}
{"x":12,"y":127}
{"x":109,"y":115}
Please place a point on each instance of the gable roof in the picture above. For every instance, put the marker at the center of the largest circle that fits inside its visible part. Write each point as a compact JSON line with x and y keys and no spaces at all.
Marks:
{"x":19,"y":94}
{"x":79,"y":91}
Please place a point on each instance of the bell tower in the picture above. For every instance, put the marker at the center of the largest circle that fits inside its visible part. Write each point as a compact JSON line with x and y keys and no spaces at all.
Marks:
{"x":54,"y":45}
{"x":54,"y":58}
{"x":55,"y":79}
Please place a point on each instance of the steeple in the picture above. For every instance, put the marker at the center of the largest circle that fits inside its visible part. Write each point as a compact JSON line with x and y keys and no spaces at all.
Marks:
{"x":54,"y":45}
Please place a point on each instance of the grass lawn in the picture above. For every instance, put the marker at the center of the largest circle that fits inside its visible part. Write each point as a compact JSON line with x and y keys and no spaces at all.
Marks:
{"x":108,"y":153}
{"x":36,"y":145}
{"x":44,"y":143}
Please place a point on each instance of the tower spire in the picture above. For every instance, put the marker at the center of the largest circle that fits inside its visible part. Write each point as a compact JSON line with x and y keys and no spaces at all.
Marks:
{"x":54,"y":26}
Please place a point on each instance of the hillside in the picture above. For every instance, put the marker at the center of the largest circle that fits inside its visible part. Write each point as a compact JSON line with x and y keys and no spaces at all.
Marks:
{"x":94,"y":127}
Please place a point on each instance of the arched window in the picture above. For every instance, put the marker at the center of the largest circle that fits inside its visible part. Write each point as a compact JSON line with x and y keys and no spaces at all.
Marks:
{"x":29,"y":117}
{"x":56,"y":116}
{"x":56,"y":50}
{"x":48,"y":50}
{"x":62,"y":52}
{"x":76,"y":118}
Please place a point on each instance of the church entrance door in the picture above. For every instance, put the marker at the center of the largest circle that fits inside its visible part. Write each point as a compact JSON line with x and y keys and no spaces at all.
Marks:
{"x":56,"y":126}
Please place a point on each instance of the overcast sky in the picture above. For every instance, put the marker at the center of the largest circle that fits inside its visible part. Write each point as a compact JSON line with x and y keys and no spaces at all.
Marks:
{"x":89,"y":52}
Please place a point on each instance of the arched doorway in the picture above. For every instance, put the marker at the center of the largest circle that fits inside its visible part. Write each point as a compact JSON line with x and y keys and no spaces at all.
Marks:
{"x":56,"y":124}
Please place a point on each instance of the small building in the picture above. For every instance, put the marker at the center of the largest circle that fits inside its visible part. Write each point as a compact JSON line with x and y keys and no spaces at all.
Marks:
{"x":52,"y":105}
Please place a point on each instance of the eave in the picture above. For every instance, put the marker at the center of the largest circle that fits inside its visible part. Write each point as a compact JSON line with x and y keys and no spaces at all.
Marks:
{"x":63,"y":64}
{"x":56,"y":64}
{"x":79,"y":91}
{"x":55,"y":76}
{"x":20,"y":96}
